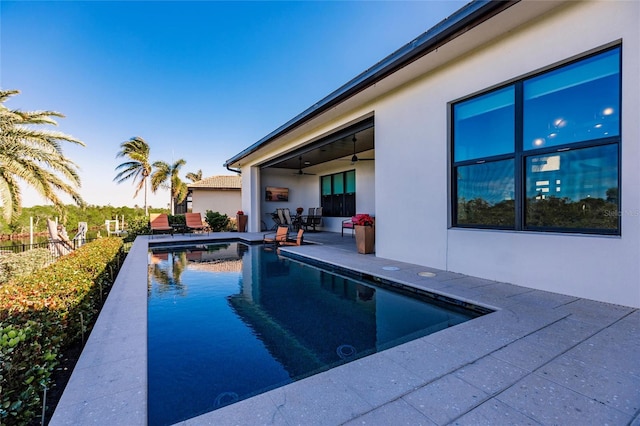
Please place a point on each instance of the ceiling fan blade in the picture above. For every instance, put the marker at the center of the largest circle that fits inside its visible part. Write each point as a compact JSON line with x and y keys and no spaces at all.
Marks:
{"x":300,"y":172}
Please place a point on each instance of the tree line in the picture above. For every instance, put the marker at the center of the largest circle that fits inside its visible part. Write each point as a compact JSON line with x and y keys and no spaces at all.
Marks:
{"x":93,"y":215}
{"x":32,"y":155}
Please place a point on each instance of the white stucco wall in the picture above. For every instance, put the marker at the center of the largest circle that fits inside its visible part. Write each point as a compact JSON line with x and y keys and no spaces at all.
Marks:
{"x":411,"y":176}
{"x":407,"y":187}
{"x":226,"y":202}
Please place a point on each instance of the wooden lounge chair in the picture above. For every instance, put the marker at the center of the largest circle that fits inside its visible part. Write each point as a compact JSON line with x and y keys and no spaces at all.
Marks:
{"x":159,"y":223}
{"x":193,"y":222}
{"x":296,"y":242}
{"x":278,"y":237}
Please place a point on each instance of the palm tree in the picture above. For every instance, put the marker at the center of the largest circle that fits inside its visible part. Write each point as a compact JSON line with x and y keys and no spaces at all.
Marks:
{"x":34,"y":156}
{"x":194,"y":177}
{"x":169,"y":173}
{"x":137,"y":168}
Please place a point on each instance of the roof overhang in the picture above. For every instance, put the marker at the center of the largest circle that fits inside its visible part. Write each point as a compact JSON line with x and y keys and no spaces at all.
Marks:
{"x":433,"y":49}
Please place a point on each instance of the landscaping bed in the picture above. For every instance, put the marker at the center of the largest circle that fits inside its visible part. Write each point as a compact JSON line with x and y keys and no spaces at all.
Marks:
{"x":45,"y":318}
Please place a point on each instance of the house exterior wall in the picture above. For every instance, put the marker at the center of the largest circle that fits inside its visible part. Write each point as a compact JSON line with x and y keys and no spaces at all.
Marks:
{"x":412,"y":164}
{"x":224,"y":201}
{"x":408,"y":189}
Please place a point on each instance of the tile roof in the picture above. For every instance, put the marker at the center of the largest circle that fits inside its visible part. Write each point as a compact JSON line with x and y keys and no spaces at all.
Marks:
{"x":218,"y":182}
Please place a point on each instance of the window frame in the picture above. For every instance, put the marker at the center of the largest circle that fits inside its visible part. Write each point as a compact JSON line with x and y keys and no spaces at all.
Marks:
{"x":328,"y":211}
{"x":520,"y":154}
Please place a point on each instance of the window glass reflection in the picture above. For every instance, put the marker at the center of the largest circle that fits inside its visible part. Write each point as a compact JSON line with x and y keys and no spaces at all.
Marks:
{"x":573,"y":189}
{"x":338,"y":183}
{"x":486,"y":194}
{"x":575,"y":103}
{"x":351,"y":181}
{"x":326,"y":185}
{"x":484,"y":126}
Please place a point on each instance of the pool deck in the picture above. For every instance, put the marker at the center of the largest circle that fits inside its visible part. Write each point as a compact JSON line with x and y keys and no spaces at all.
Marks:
{"x":540,"y":358}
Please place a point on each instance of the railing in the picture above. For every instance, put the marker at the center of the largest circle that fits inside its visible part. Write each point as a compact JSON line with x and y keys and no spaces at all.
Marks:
{"x":55,"y":248}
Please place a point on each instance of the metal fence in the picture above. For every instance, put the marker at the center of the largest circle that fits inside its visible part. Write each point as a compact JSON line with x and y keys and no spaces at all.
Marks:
{"x":56,"y":248}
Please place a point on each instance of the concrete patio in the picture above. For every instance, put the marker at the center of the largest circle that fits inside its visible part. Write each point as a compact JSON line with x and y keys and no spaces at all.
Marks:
{"x":540,"y":358}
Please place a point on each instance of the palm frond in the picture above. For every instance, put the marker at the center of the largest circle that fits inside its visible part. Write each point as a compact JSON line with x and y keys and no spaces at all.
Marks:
{"x":138,"y":167}
{"x":34,"y":156}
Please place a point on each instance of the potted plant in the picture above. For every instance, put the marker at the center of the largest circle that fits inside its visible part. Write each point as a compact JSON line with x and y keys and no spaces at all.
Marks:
{"x":365,"y":233}
{"x":299,"y":210}
{"x":241,"y":221}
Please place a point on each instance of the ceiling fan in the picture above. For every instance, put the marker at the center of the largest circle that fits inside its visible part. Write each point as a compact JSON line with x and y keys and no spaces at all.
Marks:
{"x":300,"y":172}
{"x":354,"y":158}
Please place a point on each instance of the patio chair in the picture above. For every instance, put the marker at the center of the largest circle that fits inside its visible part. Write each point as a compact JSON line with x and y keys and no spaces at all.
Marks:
{"x":283,"y":221}
{"x":317,"y":219}
{"x":307,"y":220}
{"x":59,"y":242}
{"x":159,"y":223}
{"x":296,"y":242}
{"x":287,"y":217}
{"x":276,"y":237}
{"x":193,"y":222}
{"x":313,"y":219}
{"x":276,"y":220}
{"x":349,"y":224}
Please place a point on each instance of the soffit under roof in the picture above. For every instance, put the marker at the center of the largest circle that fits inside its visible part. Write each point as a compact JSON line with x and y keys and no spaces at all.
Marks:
{"x":332,"y":147}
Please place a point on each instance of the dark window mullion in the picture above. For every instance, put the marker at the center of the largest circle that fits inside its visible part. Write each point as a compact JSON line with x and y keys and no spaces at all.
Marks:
{"x":519,"y":160}
{"x":484,"y":160}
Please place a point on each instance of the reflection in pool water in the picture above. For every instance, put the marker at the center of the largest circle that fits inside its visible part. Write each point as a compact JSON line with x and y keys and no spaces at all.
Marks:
{"x":229,"y":321}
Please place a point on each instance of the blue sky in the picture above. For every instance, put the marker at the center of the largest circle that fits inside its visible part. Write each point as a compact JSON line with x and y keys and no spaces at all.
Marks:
{"x":197,"y":80}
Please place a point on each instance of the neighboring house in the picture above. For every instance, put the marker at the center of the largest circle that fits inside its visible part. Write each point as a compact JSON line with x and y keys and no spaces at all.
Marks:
{"x":506,"y":146}
{"x":216,"y":193}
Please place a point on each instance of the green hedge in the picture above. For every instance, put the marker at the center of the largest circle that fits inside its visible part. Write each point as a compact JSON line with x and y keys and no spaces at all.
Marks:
{"x":41,"y":314}
{"x":13,"y":265}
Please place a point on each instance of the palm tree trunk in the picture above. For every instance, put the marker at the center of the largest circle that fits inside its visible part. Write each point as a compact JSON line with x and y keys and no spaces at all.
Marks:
{"x":146,"y":208}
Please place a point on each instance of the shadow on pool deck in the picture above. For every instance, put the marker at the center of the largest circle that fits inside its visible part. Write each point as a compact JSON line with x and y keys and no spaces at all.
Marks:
{"x":540,"y":358}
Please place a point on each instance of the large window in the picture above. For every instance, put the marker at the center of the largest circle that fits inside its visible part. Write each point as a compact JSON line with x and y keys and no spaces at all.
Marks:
{"x":338,"y":194}
{"x":542,"y":153}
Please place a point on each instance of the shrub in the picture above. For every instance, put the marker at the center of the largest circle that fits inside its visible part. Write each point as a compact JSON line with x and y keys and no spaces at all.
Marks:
{"x":178,"y":219}
{"x":13,"y":265}
{"x":139,"y":225}
{"x":44,"y":312}
{"x":216,"y":221}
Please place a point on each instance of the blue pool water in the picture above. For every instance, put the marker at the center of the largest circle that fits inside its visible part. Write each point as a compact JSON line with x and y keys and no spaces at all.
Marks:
{"x":230,"y":321}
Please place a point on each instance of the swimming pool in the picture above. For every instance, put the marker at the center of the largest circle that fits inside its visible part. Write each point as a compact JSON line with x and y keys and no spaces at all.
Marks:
{"x":229,"y":321}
